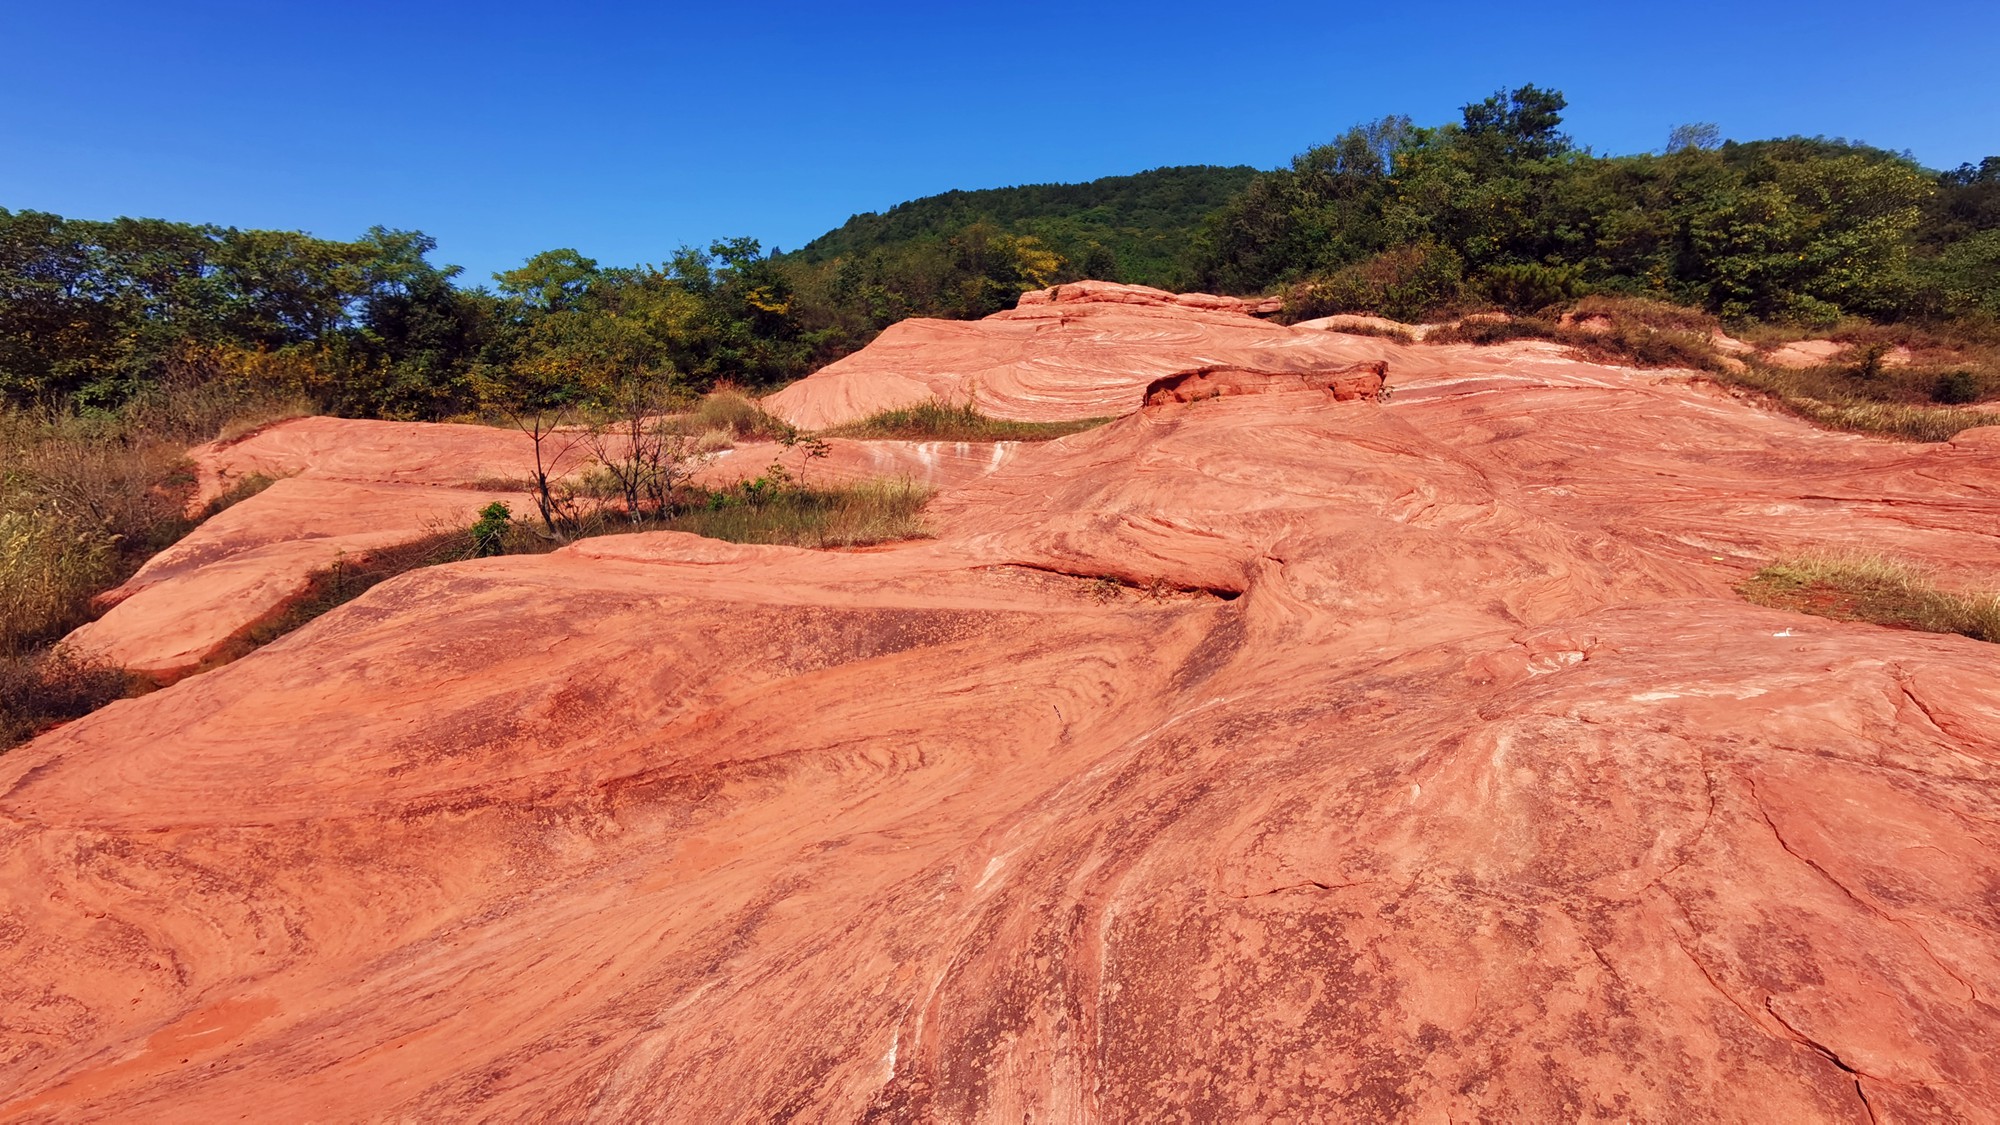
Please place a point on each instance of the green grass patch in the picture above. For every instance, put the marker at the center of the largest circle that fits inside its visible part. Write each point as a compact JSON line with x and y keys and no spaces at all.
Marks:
{"x":941,"y":421}
{"x":858,"y":515}
{"x":1873,"y":588}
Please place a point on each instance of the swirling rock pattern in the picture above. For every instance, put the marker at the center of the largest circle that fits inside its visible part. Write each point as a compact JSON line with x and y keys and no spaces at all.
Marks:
{"x":1262,"y":757}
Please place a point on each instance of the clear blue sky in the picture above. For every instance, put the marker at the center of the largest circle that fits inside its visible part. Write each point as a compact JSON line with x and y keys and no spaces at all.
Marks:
{"x":625,"y":129}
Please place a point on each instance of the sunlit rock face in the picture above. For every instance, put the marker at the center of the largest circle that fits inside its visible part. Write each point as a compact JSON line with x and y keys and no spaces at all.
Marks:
{"x":1261,"y":755}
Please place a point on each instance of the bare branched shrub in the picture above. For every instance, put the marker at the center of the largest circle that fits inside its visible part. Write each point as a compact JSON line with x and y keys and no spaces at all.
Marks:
{"x":647,"y":456}
{"x":556,"y":445}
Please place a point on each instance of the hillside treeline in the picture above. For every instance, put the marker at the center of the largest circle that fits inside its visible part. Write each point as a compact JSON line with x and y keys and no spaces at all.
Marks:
{"x":94,"y":315}
{"x":1119,"y":228}
{"x":1500,"y":208}
{"x":1503,"y":208}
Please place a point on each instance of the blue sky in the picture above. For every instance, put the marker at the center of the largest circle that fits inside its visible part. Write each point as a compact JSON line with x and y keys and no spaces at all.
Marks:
{"x":626,"y":129}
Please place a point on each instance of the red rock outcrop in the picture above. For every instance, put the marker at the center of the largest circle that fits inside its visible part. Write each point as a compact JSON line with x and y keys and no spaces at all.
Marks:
{"x":1085,"y":357}
{"x":1269,"y":757}
{"x":352,"y":487}
{"x":1805,"y":353}
{"x":1345,"y":384}
{"x":189,"y":602}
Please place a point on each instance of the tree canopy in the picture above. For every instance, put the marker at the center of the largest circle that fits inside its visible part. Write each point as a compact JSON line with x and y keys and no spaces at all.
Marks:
{"x":1499,"y":207}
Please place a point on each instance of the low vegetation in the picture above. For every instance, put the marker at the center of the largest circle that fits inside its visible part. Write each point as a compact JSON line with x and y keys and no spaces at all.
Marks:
{"x":85,"y":499}
{"x":775,"y":507}
{"x":731,"y":414}
{"x":937,"y":420}
{"x":39,"y":693}
{"x":1801,"y":393}
{"x":124,"y":342}
{"x":857,"y":515}
{"x":1923,"y":398}
{"x":770,"y":509}
{"x":1852,"y":587}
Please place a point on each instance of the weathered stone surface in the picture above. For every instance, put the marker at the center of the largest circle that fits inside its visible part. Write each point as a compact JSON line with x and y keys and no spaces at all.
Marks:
{"x":1344,"y":383}
{"x":1805,"y":353}
{"x":1095,"y":353}
{"x":1267,"y":756}
{"x":350,"y":487}
{"x":188,"y":603}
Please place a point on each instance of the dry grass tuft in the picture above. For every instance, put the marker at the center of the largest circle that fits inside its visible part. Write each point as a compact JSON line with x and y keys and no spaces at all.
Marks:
{"x":729,"y":412}
{"x":1860,"y":393}
{"x":82,"y":503}
{"x":39,"y":692}
{"x":941,"y":421}
{"x":857,"y":515}
{"x":1860,"y":587}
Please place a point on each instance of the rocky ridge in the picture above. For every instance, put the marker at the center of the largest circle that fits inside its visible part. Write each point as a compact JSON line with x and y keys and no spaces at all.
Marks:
{"x":1259,"y":755}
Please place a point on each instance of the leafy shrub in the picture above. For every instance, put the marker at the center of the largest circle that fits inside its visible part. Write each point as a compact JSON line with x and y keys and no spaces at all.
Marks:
{"x":1408,"y":283}
{"x":1344,"y":292}
{"x":490,"y":530}
{"x":1530,"y":287}
{"x":1957,"y":388}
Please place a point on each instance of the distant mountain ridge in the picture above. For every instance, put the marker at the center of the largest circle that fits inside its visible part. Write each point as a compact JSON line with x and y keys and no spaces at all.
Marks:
{"x":1127,"y":228}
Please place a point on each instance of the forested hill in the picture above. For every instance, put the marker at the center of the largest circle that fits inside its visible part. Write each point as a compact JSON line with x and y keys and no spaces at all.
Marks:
{"x":1127,"y":228}
{"x":1498,"y":209}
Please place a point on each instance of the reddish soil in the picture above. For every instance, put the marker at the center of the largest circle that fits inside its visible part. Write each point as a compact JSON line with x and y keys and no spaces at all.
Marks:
{"x":1261,"y":757}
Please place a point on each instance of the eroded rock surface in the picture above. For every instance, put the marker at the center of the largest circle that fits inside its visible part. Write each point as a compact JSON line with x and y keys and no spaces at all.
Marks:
{"x":1267,"y":756}
{"x":347,"y":488}
{"x":1091,"y":350}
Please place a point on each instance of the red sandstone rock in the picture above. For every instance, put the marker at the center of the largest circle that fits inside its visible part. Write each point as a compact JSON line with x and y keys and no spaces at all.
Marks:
{"x":1362,"y":324}
{"x":1415,"y":762}
{"x":1805,"y":353}
{"x":1092,"y":355}
{"x":1345,"y":383}
{"x":189,"y":602}
{"x":348,"y":492}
